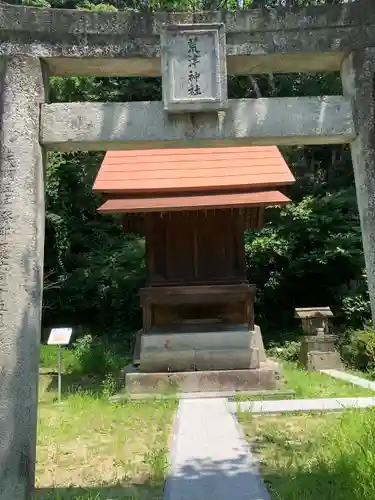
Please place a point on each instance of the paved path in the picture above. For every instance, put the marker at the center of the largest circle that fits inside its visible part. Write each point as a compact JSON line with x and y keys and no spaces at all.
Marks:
{"x":210,"y":460}
{"x":301,"y":405}
{"x":348,"y":377}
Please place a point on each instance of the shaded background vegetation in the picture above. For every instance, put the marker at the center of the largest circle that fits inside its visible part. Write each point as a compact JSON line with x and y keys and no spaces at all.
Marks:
{"x":309,"y":253}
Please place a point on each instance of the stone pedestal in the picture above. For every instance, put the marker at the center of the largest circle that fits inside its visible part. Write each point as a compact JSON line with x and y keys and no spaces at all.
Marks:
{"x":242,"y":347}
{"x":21,"y":270}
{"x":318,"y":352}
{"x":185,"y":349}
{"x":230,"y":358}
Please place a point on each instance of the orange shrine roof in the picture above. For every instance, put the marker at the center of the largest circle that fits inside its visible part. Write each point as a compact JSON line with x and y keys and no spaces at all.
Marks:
{"x":203,"y":202}
{"x":161,"y":171}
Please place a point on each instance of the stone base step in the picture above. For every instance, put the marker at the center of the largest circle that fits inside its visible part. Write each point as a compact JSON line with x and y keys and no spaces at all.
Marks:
{"x":230,"y":395}
{"x":264,"y":378}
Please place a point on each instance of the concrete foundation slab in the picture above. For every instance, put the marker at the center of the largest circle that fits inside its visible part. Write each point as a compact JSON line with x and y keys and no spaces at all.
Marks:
{"x":265,"y":395}
{"x":302,"y":405}
{"x":348,"y":377}
{"x":266,"y":377}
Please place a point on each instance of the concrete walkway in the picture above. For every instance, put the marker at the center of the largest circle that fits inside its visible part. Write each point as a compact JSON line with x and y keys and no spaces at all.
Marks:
{"x":301,"y":405}
{"x":210,"y":460}
{"x":348,"y":377}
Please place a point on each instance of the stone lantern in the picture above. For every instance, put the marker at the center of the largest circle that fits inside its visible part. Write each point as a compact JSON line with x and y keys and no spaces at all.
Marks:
{"x":318,"y":349}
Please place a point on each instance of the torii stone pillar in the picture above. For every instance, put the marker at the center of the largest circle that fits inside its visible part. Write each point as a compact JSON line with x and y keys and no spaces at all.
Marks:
{"x":358,"y":78}
{"x":21,"y":269}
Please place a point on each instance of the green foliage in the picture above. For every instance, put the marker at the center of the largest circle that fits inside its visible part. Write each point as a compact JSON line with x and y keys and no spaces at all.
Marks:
{"x":101,"y":7}
{"x":355,"y":305}
{"x":94,"y":357}
{"x":88,"y":355}
{"x":359,"y":351}
{"x":110,"y":385}
{"x":289,"y":351}
{"x":48,"y":359}
{"x":308,"y":254}
{"x":91,"y":267}
{"x":157,"y":460}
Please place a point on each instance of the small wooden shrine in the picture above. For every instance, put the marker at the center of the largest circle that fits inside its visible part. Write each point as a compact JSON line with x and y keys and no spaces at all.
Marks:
{"x":193,"y":206}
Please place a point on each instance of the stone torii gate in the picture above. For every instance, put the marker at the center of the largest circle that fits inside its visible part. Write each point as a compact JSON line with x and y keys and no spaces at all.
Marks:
{"x":36,"y":44}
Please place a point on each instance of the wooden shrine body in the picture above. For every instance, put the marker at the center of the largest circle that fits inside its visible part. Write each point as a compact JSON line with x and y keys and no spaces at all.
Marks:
{"x":197,"y":291}
{"x":196,"y":269}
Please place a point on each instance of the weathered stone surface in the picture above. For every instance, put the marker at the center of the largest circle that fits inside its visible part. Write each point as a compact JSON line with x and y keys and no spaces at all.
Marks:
{"x":318,"y":360}
{"x":257,"y":343}
{"x":202,"y":360}
{"x":321,"y":343}
{"x":282,"y":121}
{"x":95,"y":43}
{"x":137,"y":346}
{"x":57,"y":22}
{"x":314,"y":318}
{"x":21,"y":270}
{"x":318,"y":352}
{"x":194,"y":68}
{"x":266,"y":377}
{"x":358,"y":76}
{"x":227,"y":349}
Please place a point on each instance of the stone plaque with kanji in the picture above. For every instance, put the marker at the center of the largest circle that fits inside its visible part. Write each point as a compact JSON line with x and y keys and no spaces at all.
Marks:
{"x":194,"y":71}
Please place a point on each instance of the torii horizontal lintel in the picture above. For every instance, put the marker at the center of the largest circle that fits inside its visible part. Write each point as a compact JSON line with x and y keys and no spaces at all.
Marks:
{"x":137,"y":125}
{"x":82,"y":43}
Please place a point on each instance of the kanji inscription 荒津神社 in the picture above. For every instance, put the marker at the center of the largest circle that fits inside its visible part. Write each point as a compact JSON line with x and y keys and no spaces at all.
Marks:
{"x":194,"y":68}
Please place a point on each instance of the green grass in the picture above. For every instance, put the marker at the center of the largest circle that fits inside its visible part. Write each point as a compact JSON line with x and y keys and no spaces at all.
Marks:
{"x":318,"y":385}
{"x":319,"y":457}
{"x":91,"y":449}
{"x":308,"y":385}
{"x":48,"y":358}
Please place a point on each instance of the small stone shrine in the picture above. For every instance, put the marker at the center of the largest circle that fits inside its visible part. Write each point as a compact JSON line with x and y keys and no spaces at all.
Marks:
{"x":318,"y":349}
